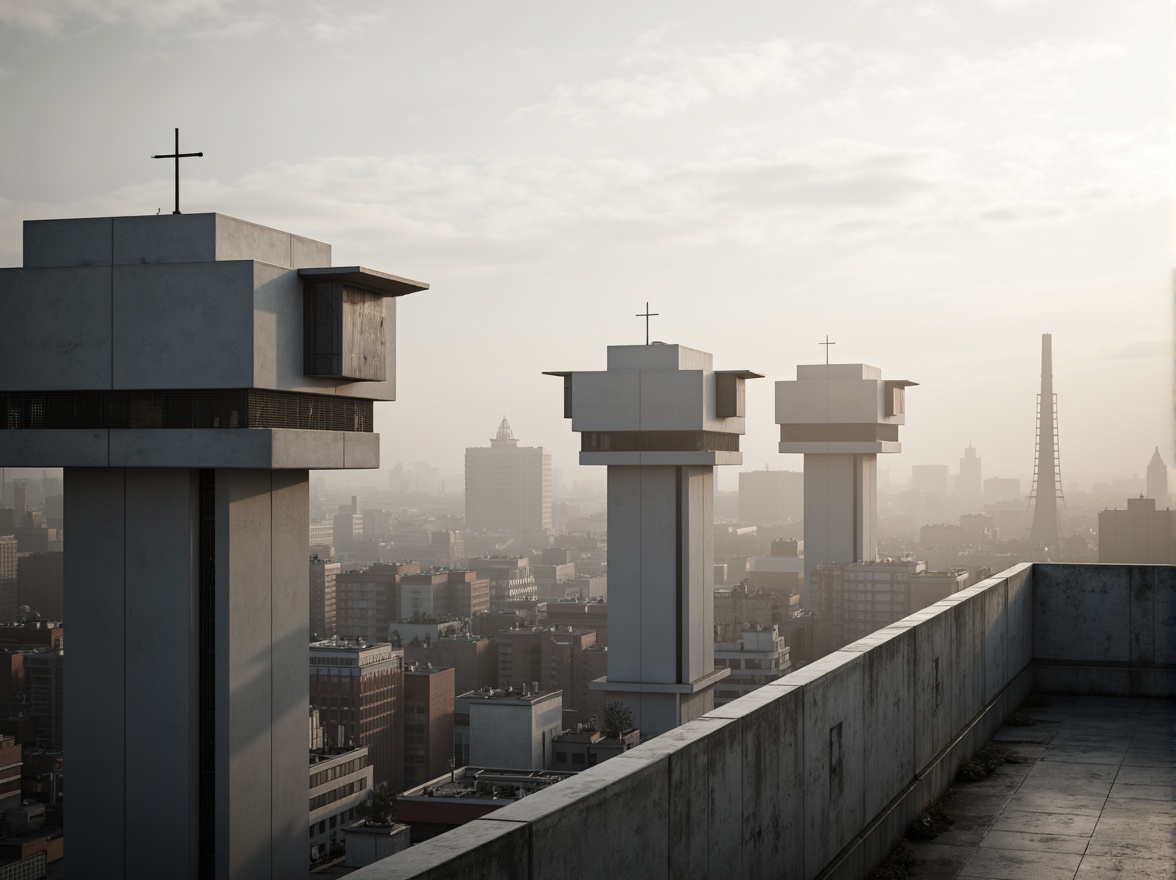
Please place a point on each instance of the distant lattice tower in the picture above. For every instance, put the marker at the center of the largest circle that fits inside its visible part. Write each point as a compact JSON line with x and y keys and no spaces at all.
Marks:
{"x":1046,"y":498}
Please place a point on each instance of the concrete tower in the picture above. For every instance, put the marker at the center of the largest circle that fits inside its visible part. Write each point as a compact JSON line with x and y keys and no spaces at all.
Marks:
{"x":1047,"y":475}
{"x":660,"y":418}
{"x":1157,"y":480}
{"x":839,"y":416}
{"x":186,"y":370}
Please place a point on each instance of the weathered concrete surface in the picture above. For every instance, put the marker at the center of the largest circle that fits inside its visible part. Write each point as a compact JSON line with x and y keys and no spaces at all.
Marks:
{"x":819,"y":773}
{"x":1105,"y":629}
{"x":1076,"y":805}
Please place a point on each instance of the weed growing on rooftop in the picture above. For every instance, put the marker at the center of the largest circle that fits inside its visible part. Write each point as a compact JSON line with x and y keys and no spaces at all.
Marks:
{"x":897,"y":865}
{"x":930,"y":823}
{"x":983,"y":764}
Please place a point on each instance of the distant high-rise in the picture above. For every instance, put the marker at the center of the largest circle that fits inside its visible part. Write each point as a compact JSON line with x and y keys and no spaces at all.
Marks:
{"x":970,"y":484}
{"x":1047,"y":472}
{"x":840,"y":417}
{"x":507,"y":486}
{"x":1157,"y":480}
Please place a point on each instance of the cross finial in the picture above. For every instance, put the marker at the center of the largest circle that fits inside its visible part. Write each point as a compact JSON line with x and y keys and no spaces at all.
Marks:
{"x":826,"y":343}
{"x":647,"y":314}
{"x":177,"y":155}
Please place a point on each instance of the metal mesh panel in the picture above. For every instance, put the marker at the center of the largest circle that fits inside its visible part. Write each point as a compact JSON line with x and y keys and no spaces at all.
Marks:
{"x":233,"y":408}
{"x":658,"y":441}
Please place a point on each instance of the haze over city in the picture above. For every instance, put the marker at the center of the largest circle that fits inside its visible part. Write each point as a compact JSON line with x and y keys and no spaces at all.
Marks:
{"x":932,"y":187}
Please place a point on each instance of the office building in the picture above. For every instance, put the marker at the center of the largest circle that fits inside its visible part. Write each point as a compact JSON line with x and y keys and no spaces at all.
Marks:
{"x":323,"y":573}
{"x":367,"y":601}
{"x":507,"y":486}
{"x":443,"y":594}
{"x":358,"y":689}
{"x":511,"y":729}
{"x":44,"y":673}
{"x":428,"y":722}
{"x":340,"y":780}
{"x":858,"y":599}
{"x":1141,"y":534}
{"x":511,"y":582}
{"x":755,"y":658}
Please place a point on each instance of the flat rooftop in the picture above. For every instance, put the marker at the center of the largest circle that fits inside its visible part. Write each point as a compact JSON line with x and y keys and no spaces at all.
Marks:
{"x":1095,"y":797}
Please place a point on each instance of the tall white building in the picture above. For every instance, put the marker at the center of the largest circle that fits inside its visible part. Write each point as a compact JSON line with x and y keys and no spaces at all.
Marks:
{"x":660,"y":418}
{"x":840,"y":417}
{"x":507,"y":486}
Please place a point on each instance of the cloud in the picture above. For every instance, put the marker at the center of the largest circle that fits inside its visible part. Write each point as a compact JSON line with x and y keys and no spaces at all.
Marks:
{"x":50,"y":16}
{"x":322,"y":20}
{"x":671,"y":80}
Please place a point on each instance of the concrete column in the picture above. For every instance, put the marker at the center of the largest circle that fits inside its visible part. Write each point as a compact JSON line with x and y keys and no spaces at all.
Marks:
{"x":840,"y":512}
{"x":661,"y":613}
{"x":132,"y":599}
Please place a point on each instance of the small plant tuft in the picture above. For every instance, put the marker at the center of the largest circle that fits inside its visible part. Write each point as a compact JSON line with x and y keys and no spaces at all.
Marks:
{"x":983,"y":764}
{"x":897,"y":865}
{"x":1020,"y":719}
{"x":930,"y":823}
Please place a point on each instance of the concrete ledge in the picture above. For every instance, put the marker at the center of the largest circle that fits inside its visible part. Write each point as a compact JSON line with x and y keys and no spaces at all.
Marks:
{"x":483,"y":851}
{"x":39,"y":448}
{"x":266,"y":448}
{"x":818,"y":774}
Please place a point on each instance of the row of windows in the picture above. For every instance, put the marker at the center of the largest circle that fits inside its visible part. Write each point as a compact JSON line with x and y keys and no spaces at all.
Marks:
{"x":332,"y":822}
{"x":345,"y":769}
{"x":342,"y":791}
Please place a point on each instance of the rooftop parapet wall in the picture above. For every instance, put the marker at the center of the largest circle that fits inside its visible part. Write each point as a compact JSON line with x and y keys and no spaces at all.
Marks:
{"x":1105,"y":629}
{"x":819,"y":773}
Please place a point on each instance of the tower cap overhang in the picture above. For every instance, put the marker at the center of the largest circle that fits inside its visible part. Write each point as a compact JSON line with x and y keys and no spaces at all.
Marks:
{"x":380,"y":283}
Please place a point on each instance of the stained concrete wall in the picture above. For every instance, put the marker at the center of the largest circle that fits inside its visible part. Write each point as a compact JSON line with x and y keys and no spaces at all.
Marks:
{"x":1106,"y":629}
{"x":818,"y":774}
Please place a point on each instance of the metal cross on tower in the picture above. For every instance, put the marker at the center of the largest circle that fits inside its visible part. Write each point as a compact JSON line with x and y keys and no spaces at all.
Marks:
{"x":647,"y":314}
{"x":177,"y":155}
{"x":826,"y":343}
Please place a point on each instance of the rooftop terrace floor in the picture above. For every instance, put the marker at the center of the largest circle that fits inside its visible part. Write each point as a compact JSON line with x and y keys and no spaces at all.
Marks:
{"x":1094,"y":798}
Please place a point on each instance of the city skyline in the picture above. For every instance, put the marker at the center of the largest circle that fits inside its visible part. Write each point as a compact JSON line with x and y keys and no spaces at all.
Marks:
{"x":933,"y":189}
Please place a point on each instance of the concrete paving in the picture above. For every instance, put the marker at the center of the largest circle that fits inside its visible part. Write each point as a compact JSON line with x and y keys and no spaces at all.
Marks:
{"x":1093,"y":797}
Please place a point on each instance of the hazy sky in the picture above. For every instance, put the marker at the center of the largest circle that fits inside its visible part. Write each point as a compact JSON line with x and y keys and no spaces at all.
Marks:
{"x":932,"y":184}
